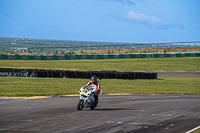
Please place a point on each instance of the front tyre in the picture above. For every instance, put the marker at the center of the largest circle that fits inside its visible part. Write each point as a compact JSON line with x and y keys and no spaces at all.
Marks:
{"x":80,"y":105}
{"x":95,"y":104}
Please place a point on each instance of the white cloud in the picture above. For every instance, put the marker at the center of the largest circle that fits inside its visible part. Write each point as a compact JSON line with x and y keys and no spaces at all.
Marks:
{"x":147,"y":19}
{"x":18,"y":27}
{"x":125,"y":2}
{"x":134,"y":17}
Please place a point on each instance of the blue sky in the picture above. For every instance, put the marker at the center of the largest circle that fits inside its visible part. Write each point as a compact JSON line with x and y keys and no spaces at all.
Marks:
{"x":134,"y":21}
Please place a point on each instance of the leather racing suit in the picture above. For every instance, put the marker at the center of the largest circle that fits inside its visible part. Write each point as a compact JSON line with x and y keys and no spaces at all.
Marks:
{"x":95,"y":87}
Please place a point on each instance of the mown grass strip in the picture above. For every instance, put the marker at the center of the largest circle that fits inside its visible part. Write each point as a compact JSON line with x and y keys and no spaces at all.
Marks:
{"x":196,"y":131}
{"x":19,"y":86}
{"x":133,"y":64}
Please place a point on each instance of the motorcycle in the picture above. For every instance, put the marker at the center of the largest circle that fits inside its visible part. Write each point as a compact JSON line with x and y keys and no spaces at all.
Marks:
{"x":87,"y":99}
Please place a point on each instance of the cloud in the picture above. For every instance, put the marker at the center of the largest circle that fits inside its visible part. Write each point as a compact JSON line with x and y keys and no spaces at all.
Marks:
{"x":147,"y":19}
{"x":134,"y":17}
{"x":18,"y":28}
{"x":6,"y":15}
{"x":125,"y":2}
{"x":177,"y":25}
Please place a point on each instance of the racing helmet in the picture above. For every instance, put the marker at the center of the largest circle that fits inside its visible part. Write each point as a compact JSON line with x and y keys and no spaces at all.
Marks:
{"x":94,"y":79}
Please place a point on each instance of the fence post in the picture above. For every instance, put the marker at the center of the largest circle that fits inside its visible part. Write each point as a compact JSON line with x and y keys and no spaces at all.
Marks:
{"x":195,"y":44}
{"x":79,"y":48}
{"x":151,"y":45}
{"x":176,"y":44}
{"x":41,"y":49}
{"x":47,"y":50}
{"x":145,"y":46}
{"x":126,"y":46}
{"x":170,"y":45}
{"x":157,"y":45}
{"x":54,"y":50}
{"x":103,"y":47}
{"x":85,"y":48}
{"x":132,"y":46}
{"x":109,"y":47}
{"x":34,"y":50}
{"x":115,"y":47}
{"x":67,"y":48}
{"x":163,"y":45}
{"x":182,"y":44}
{"x":73,"y":48}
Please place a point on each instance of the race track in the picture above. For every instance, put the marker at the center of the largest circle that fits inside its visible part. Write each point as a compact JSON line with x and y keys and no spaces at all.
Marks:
{"x":178,"y":73}
{"x":117,"y":114}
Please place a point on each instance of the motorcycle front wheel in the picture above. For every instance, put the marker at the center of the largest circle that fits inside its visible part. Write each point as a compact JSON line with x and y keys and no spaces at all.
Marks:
{"x":80,"y":105}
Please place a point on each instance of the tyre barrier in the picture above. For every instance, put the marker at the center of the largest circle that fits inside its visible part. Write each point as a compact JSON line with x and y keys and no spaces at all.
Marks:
{"x":77,"y":74}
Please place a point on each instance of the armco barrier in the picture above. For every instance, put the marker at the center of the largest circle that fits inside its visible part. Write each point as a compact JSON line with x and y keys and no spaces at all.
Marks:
{"x":76,"y":74}
{"x":97,"y":56}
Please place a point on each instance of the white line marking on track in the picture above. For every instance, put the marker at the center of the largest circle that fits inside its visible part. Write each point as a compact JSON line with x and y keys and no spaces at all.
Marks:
{"x":105,"y":100}
{"x":110,"y":122}
{"x":25,"y":120}
{"x":18,"y":120}
{"x":134,"y":110}
{"x":141,"y":124}
{"x":146,"y":124}
{"x":193,"y":129}
{"x":15,"y":107}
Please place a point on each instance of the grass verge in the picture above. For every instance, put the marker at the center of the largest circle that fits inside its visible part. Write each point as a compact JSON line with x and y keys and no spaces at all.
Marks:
{"x":19,"y":86}
{"x":196,"y":131}
{"x":132,"y":64}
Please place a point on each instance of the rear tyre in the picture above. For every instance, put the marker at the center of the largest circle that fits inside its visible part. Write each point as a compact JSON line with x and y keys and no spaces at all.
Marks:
{"x":95,"y":104}
{"x":80,"y":105}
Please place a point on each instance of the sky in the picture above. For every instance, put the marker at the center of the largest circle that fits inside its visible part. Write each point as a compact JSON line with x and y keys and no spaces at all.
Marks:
{"x":131,"y":21}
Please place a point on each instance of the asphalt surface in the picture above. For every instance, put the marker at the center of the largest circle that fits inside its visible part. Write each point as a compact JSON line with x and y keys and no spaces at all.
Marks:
{"x":178,"y":73}
{"x":174,"y":73}
{"x":117,"y":114}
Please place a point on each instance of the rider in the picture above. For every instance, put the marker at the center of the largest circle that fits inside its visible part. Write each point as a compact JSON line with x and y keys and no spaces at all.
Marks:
{"x":95,"y":86}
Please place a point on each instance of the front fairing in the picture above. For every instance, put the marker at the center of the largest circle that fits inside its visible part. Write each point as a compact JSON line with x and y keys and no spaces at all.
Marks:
{"x":85,"y":95}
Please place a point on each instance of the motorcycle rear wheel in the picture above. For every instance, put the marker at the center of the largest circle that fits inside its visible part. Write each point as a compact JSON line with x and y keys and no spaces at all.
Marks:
{"x":80,"y":105}
{"x":95,"y":104}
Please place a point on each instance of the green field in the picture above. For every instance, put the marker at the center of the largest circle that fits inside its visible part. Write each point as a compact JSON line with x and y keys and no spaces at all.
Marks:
{"x":19,"y":86}
{"x":133,"y":64}
{"x":197,"y":131}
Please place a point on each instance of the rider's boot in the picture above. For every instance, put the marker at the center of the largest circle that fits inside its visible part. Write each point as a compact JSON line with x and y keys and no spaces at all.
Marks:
{"x":95,"y":97}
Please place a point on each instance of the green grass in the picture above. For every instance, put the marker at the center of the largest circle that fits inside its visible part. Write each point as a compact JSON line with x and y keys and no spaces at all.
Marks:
{"x":19,"y":86}
{"x":196,"y":131}
{"x":134,"y":64}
